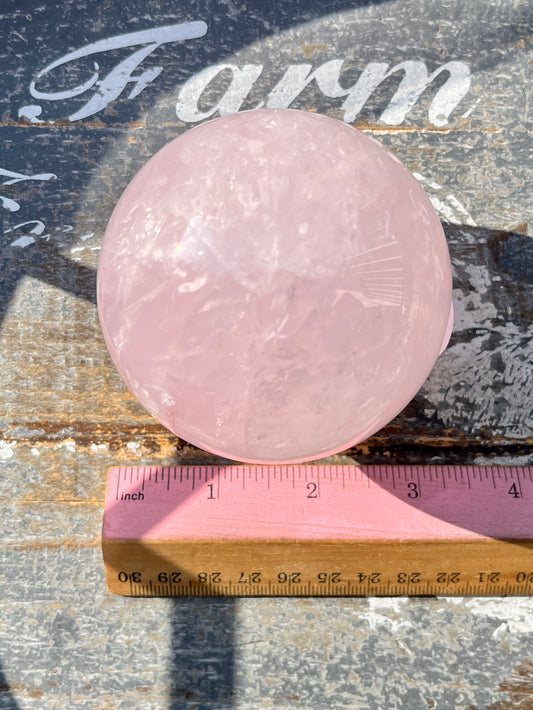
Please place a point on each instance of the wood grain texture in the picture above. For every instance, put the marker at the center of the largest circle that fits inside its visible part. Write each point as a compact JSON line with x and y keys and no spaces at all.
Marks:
{"x":65,"y":416}
{"x":476,"y":402}
{"x":304,"y":568}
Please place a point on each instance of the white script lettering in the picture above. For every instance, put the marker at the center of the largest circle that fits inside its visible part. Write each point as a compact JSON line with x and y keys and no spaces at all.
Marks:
{"x":10,"y":205}
{"x":414,"y":82}
{"x":193,"y":106}
{"x":241,"y":84}
{"x":114,"y":83}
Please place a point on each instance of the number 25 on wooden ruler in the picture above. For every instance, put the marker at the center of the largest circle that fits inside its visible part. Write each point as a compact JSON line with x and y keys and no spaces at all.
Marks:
{"x":319,"y":530}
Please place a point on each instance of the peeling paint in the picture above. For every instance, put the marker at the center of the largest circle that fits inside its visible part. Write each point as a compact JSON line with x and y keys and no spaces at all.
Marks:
{"x":98,"y":448}
{"x":515,"y":613}
{"x":6,"y":450}
{"x":68,"y":444}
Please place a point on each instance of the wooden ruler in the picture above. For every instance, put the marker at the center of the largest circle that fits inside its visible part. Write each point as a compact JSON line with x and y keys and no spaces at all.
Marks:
{"x":319,"y":530}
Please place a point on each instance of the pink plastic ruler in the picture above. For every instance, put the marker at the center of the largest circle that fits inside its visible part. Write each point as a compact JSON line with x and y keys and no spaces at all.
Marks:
{"x":319,"y":530}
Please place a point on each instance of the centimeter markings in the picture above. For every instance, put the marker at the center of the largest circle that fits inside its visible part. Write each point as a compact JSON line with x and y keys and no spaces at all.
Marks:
{"x":259,"y":530}
{"x":484,"y":580}
{"x":310,"y":589}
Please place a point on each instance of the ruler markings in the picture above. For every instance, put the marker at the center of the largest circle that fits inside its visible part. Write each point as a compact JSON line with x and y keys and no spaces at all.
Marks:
{"x":503,"y":489}
{"x":311,"y":589}
{"x":118,"y":488}
{"x":515,"y":472}
{"x":450,"y":472}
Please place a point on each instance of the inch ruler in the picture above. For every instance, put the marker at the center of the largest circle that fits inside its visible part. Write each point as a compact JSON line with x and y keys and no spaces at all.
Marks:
{"x":319,"y":530}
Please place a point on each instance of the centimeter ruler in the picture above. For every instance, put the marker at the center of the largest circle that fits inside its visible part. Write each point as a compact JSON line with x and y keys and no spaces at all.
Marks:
{"x":319,"y":530}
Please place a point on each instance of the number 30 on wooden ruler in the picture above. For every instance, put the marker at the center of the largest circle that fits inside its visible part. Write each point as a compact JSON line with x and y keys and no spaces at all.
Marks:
{"x":319,"y":530}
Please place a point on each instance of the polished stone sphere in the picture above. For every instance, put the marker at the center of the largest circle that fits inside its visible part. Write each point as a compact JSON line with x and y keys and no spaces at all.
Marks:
{"x":274,"y":286}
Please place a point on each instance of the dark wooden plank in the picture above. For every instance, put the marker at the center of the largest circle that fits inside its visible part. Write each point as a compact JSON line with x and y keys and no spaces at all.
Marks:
{"x":446,"y":86}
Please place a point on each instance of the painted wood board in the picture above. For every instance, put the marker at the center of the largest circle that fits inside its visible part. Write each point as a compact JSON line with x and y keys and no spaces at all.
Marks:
{"x":73,"y":135}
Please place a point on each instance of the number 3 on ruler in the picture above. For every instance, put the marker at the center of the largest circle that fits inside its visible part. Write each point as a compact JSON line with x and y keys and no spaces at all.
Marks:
{"x":413,"y":490}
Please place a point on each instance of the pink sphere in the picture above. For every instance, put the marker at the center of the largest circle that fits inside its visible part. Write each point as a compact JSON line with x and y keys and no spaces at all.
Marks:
{"x":274,"y":286}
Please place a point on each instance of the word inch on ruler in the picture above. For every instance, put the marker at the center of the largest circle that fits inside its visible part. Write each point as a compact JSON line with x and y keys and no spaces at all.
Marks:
{"x":319,"y":530}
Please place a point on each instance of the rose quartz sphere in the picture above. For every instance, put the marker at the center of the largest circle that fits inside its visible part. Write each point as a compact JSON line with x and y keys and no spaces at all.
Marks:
{"x":274,"y":286}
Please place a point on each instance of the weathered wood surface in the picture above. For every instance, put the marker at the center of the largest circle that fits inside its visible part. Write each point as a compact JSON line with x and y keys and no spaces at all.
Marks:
{"x":445,"y":86}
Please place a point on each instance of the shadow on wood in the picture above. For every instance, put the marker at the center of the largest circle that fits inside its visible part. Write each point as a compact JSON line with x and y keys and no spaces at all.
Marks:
{"x":7,"y":702}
